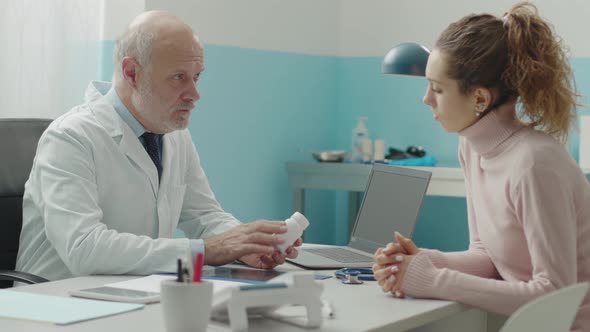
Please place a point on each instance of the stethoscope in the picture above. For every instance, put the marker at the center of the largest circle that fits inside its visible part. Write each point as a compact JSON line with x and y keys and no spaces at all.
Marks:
{"x":354,"y":275}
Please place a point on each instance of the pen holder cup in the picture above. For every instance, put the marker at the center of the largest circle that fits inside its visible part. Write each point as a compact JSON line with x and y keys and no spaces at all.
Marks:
{"x":186,"y":306}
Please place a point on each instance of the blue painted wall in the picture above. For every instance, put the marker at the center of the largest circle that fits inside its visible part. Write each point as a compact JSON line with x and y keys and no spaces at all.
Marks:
{"x":581,"y":67}
{"x":260,"y":109}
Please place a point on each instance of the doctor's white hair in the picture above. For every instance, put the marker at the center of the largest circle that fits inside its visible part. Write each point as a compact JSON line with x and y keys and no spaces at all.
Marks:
{"x":135,"y":42}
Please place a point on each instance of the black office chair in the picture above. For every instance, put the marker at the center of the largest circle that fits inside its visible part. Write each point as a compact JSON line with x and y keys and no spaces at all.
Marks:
{"x":18,"y":144}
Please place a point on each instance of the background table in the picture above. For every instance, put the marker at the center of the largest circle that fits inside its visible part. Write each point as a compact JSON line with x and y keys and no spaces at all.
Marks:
{"x":352,"y":177}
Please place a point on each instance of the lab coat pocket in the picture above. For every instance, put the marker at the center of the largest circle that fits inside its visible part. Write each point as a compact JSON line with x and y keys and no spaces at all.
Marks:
{"x":174,"y":202}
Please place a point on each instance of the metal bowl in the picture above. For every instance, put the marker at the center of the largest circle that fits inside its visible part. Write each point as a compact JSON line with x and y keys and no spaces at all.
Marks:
{"x":334,"y":156}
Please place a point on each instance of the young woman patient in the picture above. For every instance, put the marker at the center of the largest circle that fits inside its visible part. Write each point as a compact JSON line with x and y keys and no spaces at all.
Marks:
{"x":505,"y":86}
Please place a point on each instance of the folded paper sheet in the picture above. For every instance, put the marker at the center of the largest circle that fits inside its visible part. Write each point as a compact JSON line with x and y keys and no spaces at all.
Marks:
{"x":57,"y":309}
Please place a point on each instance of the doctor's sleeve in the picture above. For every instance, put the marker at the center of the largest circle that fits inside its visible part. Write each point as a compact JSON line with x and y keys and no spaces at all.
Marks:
{"x":202,"y":216}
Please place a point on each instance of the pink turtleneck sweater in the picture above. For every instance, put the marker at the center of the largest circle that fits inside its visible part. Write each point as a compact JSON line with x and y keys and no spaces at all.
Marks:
{"x":529,"y":222}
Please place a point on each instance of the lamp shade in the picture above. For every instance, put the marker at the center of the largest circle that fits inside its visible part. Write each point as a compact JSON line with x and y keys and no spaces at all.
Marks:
{"x":406,"y":59}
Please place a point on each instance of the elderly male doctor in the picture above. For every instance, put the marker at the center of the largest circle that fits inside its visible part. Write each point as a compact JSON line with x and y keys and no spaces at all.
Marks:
{"x":114,"y":177}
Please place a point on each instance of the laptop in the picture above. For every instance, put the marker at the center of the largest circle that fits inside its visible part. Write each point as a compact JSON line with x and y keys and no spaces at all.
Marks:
{"x":392,"y":202}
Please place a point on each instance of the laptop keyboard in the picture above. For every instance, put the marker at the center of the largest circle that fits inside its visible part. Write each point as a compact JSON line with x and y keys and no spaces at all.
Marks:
{"x":340,"y":255}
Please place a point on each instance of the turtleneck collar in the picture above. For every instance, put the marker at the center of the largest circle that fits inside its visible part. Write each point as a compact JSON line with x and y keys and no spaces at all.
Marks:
{"x":493,"y":129}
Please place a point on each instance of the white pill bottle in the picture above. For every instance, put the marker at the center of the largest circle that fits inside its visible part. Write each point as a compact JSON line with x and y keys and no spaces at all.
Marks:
{"x":295,"y":227}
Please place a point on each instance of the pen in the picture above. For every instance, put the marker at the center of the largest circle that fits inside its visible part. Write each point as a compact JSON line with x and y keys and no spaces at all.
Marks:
{"x":198,"y":269}
{"x":327,"y":309}
{"x":186,"y":275}
{"x":179,"y":272}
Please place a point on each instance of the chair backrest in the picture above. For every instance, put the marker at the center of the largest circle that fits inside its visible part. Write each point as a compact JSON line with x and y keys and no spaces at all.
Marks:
{"x":18,"y":145}
{"x":553,"y":312}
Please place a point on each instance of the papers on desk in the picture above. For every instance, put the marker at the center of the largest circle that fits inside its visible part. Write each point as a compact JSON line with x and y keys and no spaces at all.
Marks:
{"x":140,"y":290}
{"x":57,"y":309}
{"x":146,"y":284}
{"x":67,"y":310}
{"x":152,"y":283}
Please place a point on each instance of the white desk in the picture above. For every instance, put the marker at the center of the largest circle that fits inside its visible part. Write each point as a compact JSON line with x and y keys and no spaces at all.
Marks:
{"x":353,"y":178}
{"x":357,"y":308}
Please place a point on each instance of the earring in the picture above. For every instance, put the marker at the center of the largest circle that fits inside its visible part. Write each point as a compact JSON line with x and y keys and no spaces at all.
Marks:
{"x":478,"y":110}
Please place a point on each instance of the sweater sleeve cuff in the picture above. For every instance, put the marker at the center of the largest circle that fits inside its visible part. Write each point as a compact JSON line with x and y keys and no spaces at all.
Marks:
{"x":438,"y":259}
{"x":419,"y":277}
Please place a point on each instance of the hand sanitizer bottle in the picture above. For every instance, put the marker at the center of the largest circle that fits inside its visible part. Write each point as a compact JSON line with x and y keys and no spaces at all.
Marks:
{"x":295,"y":227}
{"x":359,"y":134}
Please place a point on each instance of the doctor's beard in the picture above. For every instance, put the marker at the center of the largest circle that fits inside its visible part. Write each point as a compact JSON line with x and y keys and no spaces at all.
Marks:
{"x":159,"y":115}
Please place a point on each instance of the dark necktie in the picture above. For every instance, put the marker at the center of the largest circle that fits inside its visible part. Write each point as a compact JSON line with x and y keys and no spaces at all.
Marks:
{"x":153,"y":150}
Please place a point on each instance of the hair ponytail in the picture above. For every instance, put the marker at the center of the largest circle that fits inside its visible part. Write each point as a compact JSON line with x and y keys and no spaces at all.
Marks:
{"x":539,"y":71}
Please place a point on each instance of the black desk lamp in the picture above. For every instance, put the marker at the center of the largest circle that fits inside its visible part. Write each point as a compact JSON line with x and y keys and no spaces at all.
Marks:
{"x":406,"y":59}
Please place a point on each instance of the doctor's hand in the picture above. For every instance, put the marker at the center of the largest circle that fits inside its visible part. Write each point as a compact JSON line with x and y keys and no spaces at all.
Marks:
{"x":271,"y":261}
{"x":255,"y":238}
{"x":391,"y":264}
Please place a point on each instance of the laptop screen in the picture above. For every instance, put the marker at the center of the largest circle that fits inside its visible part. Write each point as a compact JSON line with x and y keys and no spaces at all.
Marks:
{"x":392,"y":202}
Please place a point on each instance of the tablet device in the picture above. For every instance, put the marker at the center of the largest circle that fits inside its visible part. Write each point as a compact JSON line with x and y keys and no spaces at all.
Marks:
{"x":117,"y":294}
{"x":242,"y":274}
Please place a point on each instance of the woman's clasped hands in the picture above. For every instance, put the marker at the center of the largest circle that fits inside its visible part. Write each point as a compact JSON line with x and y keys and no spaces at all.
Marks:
{"x":391,"y":264}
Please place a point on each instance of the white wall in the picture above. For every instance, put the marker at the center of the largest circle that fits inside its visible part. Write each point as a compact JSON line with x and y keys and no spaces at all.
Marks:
{"x":340,"y":27}
{"x":49,"y":53}
{"x":116,"y":15}
{"x":369,"y":28}
{"x":301,"y":26}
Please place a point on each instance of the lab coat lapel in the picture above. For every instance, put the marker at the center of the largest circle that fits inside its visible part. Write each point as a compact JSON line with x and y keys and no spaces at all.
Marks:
{"x":132,"y":147}
{"x":167,"y":157}
{"x":128,"y":142}
{"x":164,"y":226}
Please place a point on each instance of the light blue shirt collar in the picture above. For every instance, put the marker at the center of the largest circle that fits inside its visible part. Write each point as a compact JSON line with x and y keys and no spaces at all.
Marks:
{"x":113,"y":98}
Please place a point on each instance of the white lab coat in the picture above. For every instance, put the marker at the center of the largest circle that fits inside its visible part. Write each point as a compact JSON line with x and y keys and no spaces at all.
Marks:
{"x":93,"y":204}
